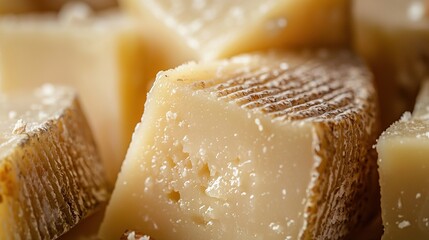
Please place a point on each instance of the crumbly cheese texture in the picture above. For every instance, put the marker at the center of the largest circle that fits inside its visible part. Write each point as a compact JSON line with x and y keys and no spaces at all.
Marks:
{"x":267,"y":145}
{"x":403,"y":151}
{"x":215,"y":29}
{"x":51,"y":175}
{"x":395,"y":46}
{"x":105,"y":57}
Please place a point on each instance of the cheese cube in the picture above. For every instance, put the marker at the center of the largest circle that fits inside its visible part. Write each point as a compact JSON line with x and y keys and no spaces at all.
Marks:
{"x":403,"y":167}
{"x":105,"y":58}
{"x":214,"y":29}
{"x":267,"y":145}
{"x":395,"y":44}
{"x":51,"y":175}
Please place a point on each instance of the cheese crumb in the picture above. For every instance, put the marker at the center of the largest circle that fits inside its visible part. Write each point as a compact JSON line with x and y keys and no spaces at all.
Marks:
{"x":404,"y":224}
{"x":20,"y":127}
{"x":259,"y":124}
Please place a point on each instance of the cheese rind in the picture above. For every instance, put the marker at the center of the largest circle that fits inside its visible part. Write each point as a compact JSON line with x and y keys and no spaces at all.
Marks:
{"x":403,"y":153}
{"x":258,"y":146}
{"x":51,"y":175}
{"x":216,"y":29}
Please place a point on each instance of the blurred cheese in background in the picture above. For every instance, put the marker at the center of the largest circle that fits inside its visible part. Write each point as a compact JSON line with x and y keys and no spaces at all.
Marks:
{"x":26,"y":6}
{"x":106,"y":57}
{"x":404,"y":169}
{"x":393,"y":36}
{"x":55,"y":5}
{"x":17,"y":6}
{"x":216,"y":29}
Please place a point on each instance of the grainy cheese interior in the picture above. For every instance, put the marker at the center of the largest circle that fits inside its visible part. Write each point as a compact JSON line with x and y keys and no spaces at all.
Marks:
{"x":267,"y":145}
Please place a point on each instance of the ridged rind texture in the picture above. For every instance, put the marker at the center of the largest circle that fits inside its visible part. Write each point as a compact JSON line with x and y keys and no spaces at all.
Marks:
{"x":333,"y":91}
{"x":51,"y":179}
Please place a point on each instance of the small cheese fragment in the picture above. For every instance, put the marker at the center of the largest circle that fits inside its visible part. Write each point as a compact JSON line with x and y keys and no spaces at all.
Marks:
{"x":133,"y":235}
{"x":105,"y":57}
{"x":270,"y":145}
{"x":51,"y":175}
{"x":404,"y":168}
{"x":395,"y":44}
{"x":215,"y":29}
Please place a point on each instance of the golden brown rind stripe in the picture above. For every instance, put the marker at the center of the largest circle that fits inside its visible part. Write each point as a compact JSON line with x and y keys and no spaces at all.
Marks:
{"x":52,"y":179}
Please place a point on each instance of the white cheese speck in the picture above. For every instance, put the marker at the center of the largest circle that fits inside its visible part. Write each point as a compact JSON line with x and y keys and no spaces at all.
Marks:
{"x":404,"y":224}
{"x":20,"y":127}
{"x":259,"y":124}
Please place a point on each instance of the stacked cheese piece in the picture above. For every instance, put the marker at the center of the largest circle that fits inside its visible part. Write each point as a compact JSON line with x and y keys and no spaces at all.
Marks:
{"x":404,"y":169}
{"x":216,"y":29}
{"x":106,"y":58}
{"x":395,"y":44}
{"x":51,"y":175}
{"x":269,"y":145}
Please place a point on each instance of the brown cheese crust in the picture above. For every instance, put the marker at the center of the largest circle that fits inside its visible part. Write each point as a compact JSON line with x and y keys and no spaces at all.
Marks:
{"x":51,"y":178}
{"x":334,"y":91}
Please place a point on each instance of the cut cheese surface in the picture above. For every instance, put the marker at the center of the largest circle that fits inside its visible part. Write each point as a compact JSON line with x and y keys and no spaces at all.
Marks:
{"x":51,"y":175}
{"x":395,"y":46}
{"x":214,"y":29}
{"x":403,"y":167}
{"x":266,"y":145}
{"x":104,"y":57}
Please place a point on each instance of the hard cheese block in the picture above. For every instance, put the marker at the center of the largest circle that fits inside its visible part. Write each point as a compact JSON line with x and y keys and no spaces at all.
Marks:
{"x":271,"y":145}
{"x":213,"y":29}
{"x":51,"y":175}
{"x":104,"y":57}
{"x":403,"y":166}
{"x":395,"y":44}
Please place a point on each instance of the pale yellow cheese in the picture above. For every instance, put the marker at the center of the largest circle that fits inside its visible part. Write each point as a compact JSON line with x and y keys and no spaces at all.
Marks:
{"x":404,"y":169}
{"x":105,"y":57}
{"x":214,"y":29}
{"x":51,"y":175}
{"x":262,"y":146}
{"x":395,"y":44}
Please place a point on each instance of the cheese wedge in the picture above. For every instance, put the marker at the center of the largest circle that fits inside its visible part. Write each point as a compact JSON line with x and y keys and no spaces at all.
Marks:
{"x":105,"y":57}
{"x":271,"y":145}
{"x":395,"y":46}
{"x":51,"y":175}
{"x":403,"y":167}
{"x":214,"y":29}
